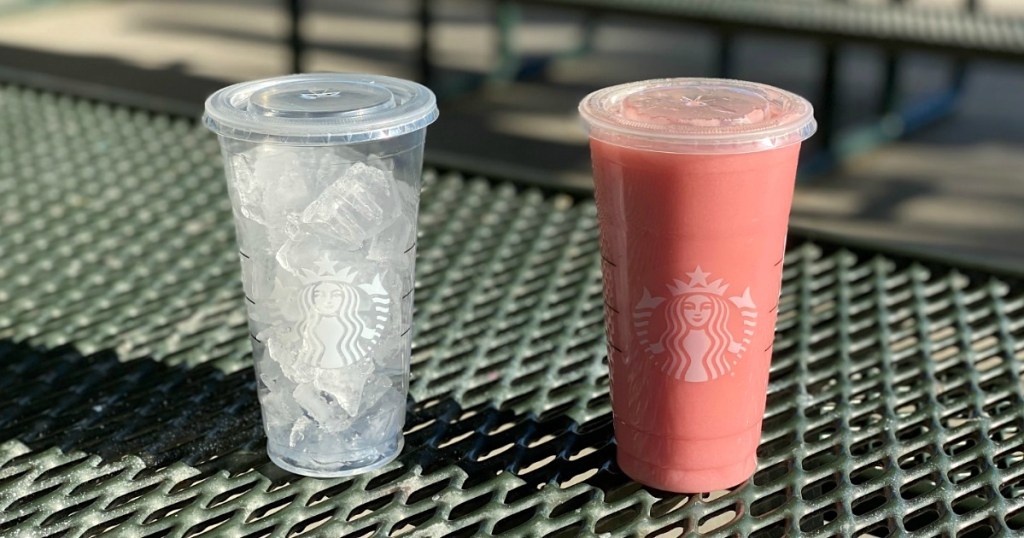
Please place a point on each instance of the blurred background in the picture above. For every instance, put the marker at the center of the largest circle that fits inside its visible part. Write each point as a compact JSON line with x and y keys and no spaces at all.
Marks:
{"x":921,"y":102}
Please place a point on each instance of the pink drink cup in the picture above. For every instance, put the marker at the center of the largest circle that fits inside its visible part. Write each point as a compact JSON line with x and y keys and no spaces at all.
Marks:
{"x":693,"y":210}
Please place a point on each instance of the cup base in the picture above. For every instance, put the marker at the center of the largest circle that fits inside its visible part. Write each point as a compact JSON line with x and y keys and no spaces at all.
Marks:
{"x":686,"y":480}
{"x":326,"y":469}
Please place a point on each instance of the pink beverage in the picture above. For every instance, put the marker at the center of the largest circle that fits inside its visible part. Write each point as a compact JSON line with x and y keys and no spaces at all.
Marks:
{"x":694,"y":181}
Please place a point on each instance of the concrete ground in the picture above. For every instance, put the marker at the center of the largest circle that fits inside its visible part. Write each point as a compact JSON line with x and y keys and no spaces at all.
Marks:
{"x":956,"y":188}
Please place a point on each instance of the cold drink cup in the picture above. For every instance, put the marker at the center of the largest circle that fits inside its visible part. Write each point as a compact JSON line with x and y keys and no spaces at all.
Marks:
{"x":323,"y":172}
{"x":693,"y":180}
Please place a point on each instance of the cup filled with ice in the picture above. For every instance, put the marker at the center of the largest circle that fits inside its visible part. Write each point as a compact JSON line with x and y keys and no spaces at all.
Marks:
{"x":323,"y":171}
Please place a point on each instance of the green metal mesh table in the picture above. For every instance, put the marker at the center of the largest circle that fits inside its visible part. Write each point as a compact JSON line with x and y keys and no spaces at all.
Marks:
{"x":128,"y":403}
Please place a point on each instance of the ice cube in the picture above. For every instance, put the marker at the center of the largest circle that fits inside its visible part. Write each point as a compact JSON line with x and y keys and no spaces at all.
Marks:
{"x":355,"y":206}
{"x":346,"y":386}
{"x":271,"y":375}
{"x":322,"y":408}
{"x":286,"y":349}
{"x":244,"y":188}
{"x":258,"y":272}
{"x":284,"y":173}
{"x":302,"y":252}
{"x":332,"y":166}
{"x":379,"y":423}
{"x":395,"y":243}
{"x":279,"y":408}
{"x":252,"y":235}
{"x":298,"y":431}
{"x":269,"y":183}
{"x":280,"y":232}
{"x":278,"y":305}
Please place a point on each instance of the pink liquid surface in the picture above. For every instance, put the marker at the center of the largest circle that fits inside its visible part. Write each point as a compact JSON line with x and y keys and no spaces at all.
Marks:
{"x":692,"y":248}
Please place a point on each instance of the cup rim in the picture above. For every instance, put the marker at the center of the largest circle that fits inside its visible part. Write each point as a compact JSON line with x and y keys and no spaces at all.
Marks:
{"x":404,"y":107}
{"x":786,"y":119}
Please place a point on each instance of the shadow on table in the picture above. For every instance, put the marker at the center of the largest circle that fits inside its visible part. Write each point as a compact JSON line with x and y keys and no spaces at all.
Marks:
{"x":210,"y":420}
{"x":101,"y":405}
{"x":205,"y":418}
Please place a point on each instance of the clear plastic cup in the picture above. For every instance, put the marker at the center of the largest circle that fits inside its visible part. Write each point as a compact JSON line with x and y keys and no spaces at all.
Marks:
{"x":323,"y":172}
{"x":694,"y":181}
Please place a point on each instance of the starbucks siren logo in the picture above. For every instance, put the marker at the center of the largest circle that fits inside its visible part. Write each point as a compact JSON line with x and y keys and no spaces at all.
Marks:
{"x":341,"y":321}
{"x":694,"y":328}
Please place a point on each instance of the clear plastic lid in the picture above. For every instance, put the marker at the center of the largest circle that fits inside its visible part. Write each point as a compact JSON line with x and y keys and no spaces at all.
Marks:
{"x":320,"y":109}
{"x":698,"y":115}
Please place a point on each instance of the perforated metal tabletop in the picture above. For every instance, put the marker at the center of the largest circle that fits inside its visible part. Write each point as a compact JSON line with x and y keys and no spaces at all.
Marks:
{"x":128,"y":405}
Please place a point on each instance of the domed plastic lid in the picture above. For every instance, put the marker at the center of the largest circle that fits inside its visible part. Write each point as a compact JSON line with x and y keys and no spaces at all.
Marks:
{"x":698,"y":115}
{"x":320,"y":109}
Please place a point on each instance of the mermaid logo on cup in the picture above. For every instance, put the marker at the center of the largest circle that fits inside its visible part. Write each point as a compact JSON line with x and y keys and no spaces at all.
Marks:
{"x":341,"y":321}
{"x":697,"y":330}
